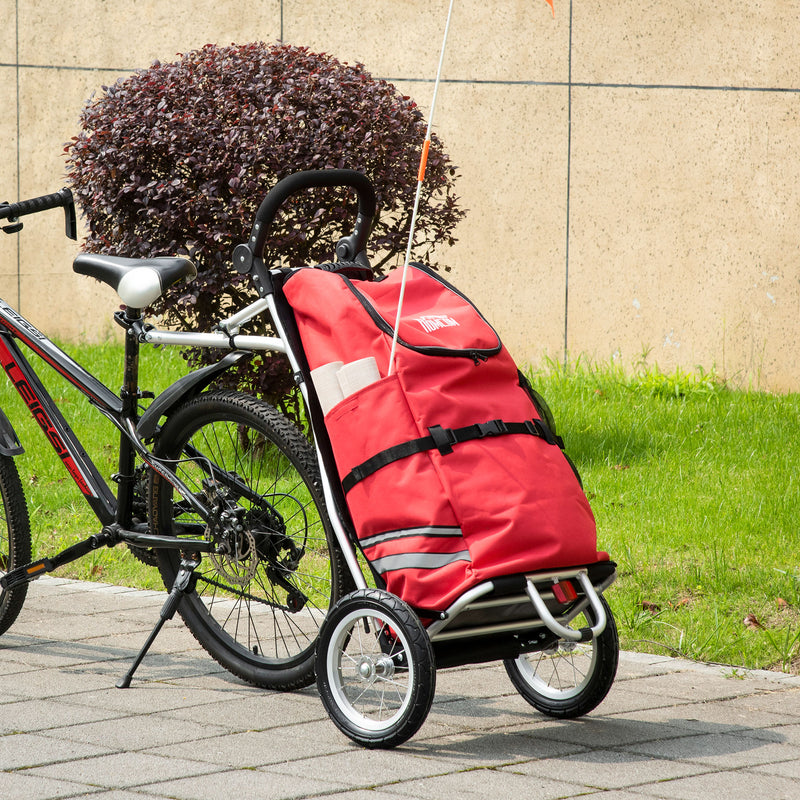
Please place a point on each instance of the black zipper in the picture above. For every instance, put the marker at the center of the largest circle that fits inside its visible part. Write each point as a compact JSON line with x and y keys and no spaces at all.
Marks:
{"x":478,"y":355}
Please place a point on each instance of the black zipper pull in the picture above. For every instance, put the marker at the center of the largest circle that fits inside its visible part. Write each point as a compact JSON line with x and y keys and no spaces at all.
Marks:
{"x":478,"y":357}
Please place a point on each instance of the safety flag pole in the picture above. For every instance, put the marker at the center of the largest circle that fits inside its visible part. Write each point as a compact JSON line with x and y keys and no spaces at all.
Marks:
{"x":423,"y":162}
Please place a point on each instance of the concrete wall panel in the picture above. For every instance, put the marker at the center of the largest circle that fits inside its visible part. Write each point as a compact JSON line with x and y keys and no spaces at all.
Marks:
{"x":8,"y":185}
{"x":130,"y":34}
{"x":52,"y":296}
{"x":510,"y":253}
{"x":517,"y":41}
{"x":8,"y":32}
{"x":683,"y":240}
{"x":686,"y":43}
{"x":630,"y":170}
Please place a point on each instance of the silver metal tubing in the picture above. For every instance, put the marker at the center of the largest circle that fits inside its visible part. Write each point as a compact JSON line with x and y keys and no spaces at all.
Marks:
{"x":232,"y":324}
{"x":487,"y":630}
{"x":346,"y":546}
{"x":584,"y":603}
{"x":216,"y":339}
{"x":341,"y":535}
{"x":556,"y":575}
{"x":556,"y":627}
{"x":456,"y":608}
{"x":502,"y":602}
{"x":599,"y":612}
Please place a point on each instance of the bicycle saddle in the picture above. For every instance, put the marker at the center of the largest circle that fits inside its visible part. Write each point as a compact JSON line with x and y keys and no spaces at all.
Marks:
{"x":138,"y":281}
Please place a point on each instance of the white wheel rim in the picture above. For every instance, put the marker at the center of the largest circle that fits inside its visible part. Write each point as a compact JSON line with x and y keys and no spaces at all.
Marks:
{"x":559,"y":675}
{"x":366,"y":688}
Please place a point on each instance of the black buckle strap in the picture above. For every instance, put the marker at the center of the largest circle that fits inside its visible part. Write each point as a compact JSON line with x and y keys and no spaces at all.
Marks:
{"x":538,"y":428}
{"x":384,"y":458}
{"x":494,"y":427}
{"x":443,"y":439}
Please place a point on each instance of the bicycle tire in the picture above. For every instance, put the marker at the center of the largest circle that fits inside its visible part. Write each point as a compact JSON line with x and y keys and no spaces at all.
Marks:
{"x":376,"y":670}
{"x":569,"y":679}
{"x":15,"y":539}
{"x":257,"y":612}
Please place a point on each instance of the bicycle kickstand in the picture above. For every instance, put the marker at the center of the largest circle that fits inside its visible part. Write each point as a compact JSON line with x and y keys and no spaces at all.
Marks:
{"x":184,"y":583}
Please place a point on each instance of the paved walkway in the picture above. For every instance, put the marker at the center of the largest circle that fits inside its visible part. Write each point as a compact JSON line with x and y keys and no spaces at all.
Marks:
{"x":186,"y":729}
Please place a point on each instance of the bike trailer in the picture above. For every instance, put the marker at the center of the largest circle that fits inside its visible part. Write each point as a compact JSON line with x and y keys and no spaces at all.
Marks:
{"x":450,"y":465}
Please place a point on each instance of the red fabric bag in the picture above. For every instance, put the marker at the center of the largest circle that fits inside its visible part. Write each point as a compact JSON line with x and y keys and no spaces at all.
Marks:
{"x":451,"y":476}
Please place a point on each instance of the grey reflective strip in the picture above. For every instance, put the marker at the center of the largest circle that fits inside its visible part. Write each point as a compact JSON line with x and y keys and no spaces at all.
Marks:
{"x":419,"y":561}
{"x":390,"y":536}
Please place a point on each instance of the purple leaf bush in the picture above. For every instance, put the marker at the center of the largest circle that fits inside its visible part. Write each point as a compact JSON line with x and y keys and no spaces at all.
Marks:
{"x":175,"y":159}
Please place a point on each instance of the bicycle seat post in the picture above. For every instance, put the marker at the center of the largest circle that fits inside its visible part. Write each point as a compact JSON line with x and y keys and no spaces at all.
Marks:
{"x":130,"y":319}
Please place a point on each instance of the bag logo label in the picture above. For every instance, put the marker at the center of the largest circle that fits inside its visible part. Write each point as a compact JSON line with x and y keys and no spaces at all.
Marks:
{"x":433,"y":322}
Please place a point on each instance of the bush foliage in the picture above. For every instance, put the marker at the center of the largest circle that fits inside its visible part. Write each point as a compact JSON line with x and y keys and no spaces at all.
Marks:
{"x":175,"y":159}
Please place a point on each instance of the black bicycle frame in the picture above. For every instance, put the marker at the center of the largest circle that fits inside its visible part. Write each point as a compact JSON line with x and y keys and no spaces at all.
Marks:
{"x":58,"y":432}
{"x":112,"y":511}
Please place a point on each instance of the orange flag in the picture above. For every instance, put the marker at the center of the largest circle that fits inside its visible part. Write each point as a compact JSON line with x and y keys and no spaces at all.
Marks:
{"x":550,"y":3}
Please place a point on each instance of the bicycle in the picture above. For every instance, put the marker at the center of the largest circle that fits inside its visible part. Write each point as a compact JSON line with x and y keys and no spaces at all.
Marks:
{"x":248,"y":521}
{"x":224,"y":496}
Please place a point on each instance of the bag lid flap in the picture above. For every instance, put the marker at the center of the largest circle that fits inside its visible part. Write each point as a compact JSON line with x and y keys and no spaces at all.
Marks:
{"x":437,"y":319}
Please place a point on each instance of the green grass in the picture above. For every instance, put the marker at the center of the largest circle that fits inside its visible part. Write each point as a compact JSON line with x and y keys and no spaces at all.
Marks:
{"x":694,"y":487}
{"x":695,"y":490}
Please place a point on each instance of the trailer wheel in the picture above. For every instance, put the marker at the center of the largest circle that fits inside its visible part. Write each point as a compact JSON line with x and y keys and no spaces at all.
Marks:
{"x":375,"y":668}
{"x":569,"y":679}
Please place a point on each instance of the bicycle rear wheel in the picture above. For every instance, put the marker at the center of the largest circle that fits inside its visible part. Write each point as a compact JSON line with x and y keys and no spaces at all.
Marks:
{"x":257,"y":608}
{"x":15,"y":539}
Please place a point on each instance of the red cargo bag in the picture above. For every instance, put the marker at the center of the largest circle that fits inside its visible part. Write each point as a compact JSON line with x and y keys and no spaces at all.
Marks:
{"x":450,"y":474}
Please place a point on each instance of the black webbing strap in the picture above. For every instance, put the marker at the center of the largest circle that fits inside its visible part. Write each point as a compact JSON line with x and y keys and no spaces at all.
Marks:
{"x":443,"y":439}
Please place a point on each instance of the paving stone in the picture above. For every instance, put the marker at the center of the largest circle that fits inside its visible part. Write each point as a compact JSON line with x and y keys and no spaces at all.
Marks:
{"x":363,"y":794}
{"x":263,"y":748}
{"x":187,"y":729}
{"x":720,"y":749}
{"x":256,"y":711}
{"x":733,"y":785}
{"x":624,"y":697}
{"x":483,"y":783}
{"x":38,"y":683}
{"x":488,"y":713}
{"x":702,"y":685}
{"x":601,"y":731}
{"x":245,"y":783}
{"x":493,"y":749}
{"x":30,"y":716}
{"x":35,"y":787}
{"x":25,"y":750}
{"x":785,"y":702}
{"x":368,"y":768}
{"x":606,"y":769}
{"x":721,"y":717}
{"x":124,"y":770}
{"x":154,"y":697}
{"x":137,"y":732}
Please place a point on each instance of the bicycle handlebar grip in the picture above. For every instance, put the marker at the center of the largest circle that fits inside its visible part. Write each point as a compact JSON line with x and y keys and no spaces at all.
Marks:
{"x":58,"y":199}
{"x":311,"y":179}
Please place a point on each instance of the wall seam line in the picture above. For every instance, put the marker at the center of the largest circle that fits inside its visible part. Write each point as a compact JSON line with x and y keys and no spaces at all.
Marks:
{"x":569,"y":181}
{"x":19,"y":155}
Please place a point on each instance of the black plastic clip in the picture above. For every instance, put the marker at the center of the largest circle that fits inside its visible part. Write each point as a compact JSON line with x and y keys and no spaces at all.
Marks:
{"x":14,"y":226}
{"x":494,"y":427}
{"x":443,"y":439}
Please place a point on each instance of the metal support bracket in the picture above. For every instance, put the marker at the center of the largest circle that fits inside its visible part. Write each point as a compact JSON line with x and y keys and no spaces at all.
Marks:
{"x":562,"y":631}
